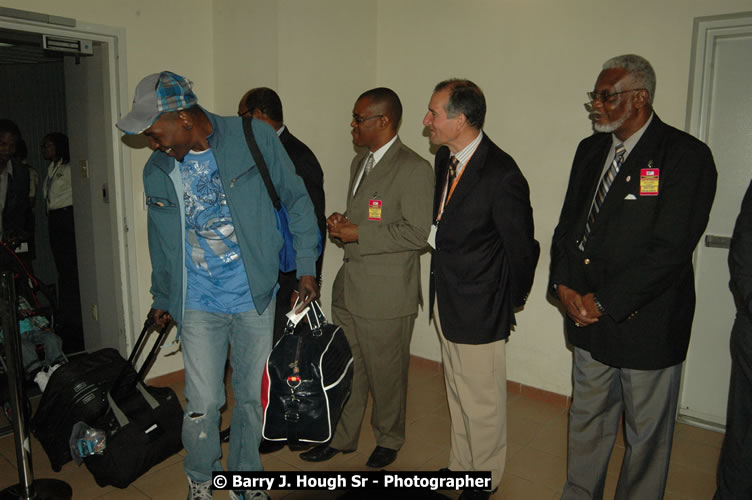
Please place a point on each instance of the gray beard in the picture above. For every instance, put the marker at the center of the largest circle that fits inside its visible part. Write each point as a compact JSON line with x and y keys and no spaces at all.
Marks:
{"x":611,"y":126}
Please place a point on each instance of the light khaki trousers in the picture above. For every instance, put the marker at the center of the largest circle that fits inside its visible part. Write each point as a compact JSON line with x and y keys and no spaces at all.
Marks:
{"x":476,"y":385}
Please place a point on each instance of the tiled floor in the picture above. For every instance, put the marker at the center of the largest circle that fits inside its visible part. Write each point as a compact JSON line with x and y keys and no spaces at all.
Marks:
{"x":536,"y":462}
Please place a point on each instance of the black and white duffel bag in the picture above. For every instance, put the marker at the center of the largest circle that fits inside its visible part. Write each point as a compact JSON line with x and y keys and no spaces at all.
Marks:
{"x":307,"y":381}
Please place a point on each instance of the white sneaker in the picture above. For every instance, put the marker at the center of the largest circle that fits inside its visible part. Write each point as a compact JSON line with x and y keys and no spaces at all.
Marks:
{"x":250,"y":495}
{"x":199,"y":491}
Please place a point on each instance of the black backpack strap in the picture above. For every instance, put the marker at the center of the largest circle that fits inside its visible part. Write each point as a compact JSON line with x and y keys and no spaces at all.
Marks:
{"x":260,"y":163}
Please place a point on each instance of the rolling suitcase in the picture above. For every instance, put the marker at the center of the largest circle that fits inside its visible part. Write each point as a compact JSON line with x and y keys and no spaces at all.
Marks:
{"x":143,"y":428}
{"x":76,"y":392}
{"x":81,"y":390}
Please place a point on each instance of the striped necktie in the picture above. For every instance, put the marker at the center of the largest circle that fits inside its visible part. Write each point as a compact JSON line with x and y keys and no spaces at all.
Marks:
{"x":367,"y":167}
{"x":603,"y":188}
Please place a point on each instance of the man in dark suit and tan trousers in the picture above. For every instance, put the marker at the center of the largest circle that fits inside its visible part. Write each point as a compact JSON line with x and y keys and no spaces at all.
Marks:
{"x":482,"y":269}
{"x":638,"y":200}
{"x":376,"y":294}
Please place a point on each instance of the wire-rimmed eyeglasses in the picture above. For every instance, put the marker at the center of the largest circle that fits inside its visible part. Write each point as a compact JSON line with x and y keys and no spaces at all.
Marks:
{"x":360,"y":119}
{"x":607,"y":97}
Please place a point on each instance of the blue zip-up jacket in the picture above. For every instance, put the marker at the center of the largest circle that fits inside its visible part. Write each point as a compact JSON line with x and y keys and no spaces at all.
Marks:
{"x":250,"y":206}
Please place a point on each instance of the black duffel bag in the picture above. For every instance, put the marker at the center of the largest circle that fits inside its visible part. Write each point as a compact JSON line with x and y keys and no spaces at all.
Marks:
{"x":307,"y":381}
{"x":142,"y":429}
{"x":77,"y":392}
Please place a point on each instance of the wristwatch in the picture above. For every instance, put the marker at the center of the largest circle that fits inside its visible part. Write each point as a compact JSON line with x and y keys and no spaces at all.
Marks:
{"x":598,"y":305}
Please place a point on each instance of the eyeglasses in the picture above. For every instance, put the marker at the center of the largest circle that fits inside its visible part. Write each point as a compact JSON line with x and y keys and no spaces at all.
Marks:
{"x":359,"y":119}
{"x":245,"y":113}
{"x":605,"y":96}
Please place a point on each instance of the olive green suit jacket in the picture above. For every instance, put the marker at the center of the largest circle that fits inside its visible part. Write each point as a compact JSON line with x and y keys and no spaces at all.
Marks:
{"x":380,"y":273}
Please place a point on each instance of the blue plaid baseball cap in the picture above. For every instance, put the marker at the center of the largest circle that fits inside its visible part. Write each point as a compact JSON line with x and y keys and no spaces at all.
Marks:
{"x":155,"y":94}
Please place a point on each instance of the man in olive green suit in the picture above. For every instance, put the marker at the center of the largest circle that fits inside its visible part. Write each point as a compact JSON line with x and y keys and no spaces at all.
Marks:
{"x":377,"y":291}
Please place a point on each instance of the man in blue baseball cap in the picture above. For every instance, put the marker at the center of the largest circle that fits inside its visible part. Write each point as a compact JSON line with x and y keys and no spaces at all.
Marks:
{"x":214,"y":248}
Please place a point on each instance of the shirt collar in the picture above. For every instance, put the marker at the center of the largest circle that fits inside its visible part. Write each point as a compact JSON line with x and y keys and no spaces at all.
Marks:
{"x":8,"y":168}
{"x":379,"y":153}
{"x":632,"y":140}
{"x":467,"y":152}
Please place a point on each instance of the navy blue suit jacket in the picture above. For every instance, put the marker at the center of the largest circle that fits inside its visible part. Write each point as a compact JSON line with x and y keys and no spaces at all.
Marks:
{"x":484,"y":262}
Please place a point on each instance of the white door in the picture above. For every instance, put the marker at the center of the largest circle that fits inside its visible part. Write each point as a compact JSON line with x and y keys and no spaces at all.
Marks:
{"x":90,"y":122}
{"x":721,"y":115}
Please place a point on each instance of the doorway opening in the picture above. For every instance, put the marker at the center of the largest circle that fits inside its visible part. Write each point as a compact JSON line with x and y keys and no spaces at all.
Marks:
{"x":78,"y":93}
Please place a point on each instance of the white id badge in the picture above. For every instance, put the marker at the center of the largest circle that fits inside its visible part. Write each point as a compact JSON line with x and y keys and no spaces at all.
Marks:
{"x":432,"y":236}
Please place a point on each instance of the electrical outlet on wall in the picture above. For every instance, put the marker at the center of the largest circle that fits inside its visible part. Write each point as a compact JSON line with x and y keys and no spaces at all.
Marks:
{"x":94,"y":312}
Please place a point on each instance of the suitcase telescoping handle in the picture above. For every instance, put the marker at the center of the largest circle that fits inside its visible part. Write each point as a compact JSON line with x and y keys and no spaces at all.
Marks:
{"x":154,"y":348}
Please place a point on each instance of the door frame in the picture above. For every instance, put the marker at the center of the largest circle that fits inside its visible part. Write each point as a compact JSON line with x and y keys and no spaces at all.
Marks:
{"x":123,"y":245}
{"x":706,"y":33}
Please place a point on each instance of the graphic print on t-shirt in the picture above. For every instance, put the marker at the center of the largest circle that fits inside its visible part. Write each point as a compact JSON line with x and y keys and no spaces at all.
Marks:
{"x":217,"y":281}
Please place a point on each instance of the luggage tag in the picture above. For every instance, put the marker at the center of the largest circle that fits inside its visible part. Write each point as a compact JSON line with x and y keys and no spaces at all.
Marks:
{"x":296,"y":317}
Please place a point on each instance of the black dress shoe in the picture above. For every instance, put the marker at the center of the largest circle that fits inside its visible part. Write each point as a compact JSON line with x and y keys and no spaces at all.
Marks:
{"x":267,"y":446}
{"x":476,"y":494}
{"x":299,"y":446}
{"x":381,"y":457}
{"x":321,"y":453}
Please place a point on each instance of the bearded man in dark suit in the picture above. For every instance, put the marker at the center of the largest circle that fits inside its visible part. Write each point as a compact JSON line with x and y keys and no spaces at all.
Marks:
{"x":638,"y":200}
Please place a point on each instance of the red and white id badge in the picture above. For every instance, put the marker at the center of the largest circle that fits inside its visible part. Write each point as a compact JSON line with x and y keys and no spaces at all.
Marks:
{"x":649,"y":178}
{"x":374,"y":209}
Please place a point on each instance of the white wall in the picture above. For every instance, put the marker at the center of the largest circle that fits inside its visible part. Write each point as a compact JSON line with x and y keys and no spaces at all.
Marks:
{"x":244,"y":52}
{"x":535,"y":60}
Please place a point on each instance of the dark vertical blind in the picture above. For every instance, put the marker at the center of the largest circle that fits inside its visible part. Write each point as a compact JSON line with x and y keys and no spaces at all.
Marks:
{"x":33,"y":96}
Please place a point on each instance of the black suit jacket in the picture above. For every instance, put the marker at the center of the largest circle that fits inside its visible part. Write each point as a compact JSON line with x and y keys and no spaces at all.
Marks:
{"x":308,"y":168}
{"x":17,"y":221}
{"x":638,"y":257}
{"x":740,"y":257}
{"x":484,"y":262}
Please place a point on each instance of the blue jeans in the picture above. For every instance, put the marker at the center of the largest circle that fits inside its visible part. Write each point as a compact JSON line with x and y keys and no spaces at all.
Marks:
{"x":205,"y":339}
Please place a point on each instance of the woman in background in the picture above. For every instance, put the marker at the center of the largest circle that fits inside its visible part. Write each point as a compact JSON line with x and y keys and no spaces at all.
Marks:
{"x":58,"y":195}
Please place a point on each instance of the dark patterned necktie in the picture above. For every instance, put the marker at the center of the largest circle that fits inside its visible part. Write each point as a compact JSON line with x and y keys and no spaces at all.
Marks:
{"x":603,"y":188}
{"x":453,"y":164}
{"x":451,"y":176}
